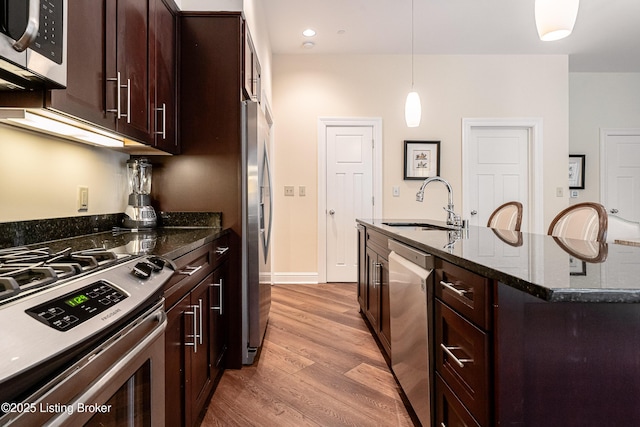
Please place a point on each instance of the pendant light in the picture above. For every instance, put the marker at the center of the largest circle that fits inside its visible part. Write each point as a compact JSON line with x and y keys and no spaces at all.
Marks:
{"x":555,"y":18}
{"x":412,"y":108}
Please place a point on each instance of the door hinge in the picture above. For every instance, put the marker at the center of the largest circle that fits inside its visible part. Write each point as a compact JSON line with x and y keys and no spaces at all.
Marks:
{"x":373,"y":200}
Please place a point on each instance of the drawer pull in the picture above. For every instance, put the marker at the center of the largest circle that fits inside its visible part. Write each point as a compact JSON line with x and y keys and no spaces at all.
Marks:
{"x":453,"y":289}
{"x":221,"y":251}
{"x":459,"y":362}
{"x":189,"y":271}
{"x":219,"y":306}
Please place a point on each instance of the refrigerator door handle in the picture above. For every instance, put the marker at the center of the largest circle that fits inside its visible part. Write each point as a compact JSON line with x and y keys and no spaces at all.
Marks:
{"x":267,"y":233}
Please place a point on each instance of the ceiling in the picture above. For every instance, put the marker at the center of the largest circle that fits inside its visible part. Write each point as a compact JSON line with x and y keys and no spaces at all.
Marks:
{"x":606,"y":36}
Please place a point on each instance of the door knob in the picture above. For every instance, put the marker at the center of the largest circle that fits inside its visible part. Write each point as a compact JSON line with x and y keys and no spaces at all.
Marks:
{"x":614,"y":211}
{"x":332,"y":212}
{"x":474,"y":212}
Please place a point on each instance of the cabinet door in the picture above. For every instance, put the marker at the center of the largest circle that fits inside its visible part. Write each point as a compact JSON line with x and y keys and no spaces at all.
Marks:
{"x":373,"y":288}
{"x":84,"y":96}
{"x":175,"y":352}
{"x":162,"y":30}
{"x":217,"y":343}
{"x":199,"y":359}
{"x":127,"y":65}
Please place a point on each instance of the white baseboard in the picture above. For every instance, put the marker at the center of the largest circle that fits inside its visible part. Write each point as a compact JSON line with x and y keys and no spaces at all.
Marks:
{"x":295,"y":278}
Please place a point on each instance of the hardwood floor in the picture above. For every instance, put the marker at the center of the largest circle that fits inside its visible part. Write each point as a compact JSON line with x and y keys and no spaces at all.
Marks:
{"x":319,"y":366}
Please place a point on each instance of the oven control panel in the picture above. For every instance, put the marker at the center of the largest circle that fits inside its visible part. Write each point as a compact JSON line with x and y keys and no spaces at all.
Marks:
{"x":74,"y":308}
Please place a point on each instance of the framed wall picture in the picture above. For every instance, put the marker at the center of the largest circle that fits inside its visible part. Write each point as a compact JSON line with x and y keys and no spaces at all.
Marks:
{"x":421,"y":159}
{"x":576,"y":171}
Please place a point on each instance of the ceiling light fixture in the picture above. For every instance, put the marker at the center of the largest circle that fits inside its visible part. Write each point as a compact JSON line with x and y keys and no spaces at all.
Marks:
{"x":309,"y":32}
{"x":308,"y":45}
{"x":555,"y":18}
{"x":412,"y":108}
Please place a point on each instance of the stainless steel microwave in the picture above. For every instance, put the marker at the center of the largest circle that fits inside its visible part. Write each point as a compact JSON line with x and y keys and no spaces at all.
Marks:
{"x":33,"y":44}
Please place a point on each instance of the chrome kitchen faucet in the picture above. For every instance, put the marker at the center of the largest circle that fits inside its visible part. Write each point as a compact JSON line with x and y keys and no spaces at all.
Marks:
{"x":452,"y":217}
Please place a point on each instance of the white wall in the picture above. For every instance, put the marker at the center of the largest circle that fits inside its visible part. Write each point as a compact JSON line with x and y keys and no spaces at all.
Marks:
{"x":306,"y":87}
{"x":39,"y":177}
{"x":599,"y":100}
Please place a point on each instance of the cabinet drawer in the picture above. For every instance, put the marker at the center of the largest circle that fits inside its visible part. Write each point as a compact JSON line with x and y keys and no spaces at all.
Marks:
{"x":462,"y":360}
{"x":191,"y":268}
{"x":450,"y":412}
{"x":378,"y":242}
{"x":468,"y":293}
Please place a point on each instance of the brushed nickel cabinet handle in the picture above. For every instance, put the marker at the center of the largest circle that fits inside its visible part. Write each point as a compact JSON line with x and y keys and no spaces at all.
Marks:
{"x":120,"y":86}
{"x":200,"y":316}
{"x":453,"y":289}
{"x":219,"y":306}
{"x":193,"y":343}
{"x":459,"y":362}
{"x":220,"y":250}
{"x":189,"y":271}
{"x":163,"y":132}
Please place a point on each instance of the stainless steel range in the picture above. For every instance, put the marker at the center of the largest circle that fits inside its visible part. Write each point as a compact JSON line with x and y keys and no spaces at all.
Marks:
{"x":82,"y":337}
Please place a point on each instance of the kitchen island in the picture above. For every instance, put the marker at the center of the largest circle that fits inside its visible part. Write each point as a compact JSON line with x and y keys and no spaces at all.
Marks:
{"x":548,"y":329}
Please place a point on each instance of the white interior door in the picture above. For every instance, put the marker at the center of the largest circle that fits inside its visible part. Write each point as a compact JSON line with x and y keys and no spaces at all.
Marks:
{"x":349,"y":195}
{"x":497,"y":170}
{"x":620,"y":180}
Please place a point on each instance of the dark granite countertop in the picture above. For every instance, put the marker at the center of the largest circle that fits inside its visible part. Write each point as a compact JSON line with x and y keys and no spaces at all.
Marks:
{"x":553,"y":269}
{"x":169,"y":242}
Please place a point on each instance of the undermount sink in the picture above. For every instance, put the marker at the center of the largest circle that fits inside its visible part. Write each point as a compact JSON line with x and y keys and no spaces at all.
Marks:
{"x":414,"y":224}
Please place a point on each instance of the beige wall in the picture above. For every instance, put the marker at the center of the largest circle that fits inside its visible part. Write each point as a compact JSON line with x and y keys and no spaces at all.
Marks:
{"x":40,"y":176}
{"x":306,"y":87}
{"x":599,"y":100}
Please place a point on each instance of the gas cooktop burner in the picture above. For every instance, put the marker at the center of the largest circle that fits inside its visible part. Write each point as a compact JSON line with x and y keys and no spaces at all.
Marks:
{"x":23,"y":269}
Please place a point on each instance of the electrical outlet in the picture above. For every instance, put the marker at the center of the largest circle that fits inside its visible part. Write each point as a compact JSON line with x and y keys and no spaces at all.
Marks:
{"x":573,"y":194}
{"x":302,"y":191}
{"x":83,"y":198}
{"x":289,"y":190}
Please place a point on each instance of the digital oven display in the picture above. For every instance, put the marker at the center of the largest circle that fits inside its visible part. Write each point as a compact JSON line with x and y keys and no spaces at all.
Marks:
{"x":74,"y":308}
{"x":77,"y":300}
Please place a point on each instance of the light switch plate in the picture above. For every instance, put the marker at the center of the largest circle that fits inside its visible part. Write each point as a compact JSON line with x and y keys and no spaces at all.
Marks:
{"x":83,"y":198}
{"x":302,"y":191}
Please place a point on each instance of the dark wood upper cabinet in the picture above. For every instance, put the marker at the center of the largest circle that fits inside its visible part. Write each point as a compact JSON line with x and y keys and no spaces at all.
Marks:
{"x":163,"y":31}
{"x":127,"y":64}
{"x":84,"y":96}
{"x":121,"y":65}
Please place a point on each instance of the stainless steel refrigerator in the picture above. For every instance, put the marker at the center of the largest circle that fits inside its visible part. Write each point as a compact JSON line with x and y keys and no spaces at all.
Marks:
{"x":256,"y":231}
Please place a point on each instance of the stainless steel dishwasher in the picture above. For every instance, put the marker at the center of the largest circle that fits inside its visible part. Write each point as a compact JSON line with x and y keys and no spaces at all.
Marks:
{"x":409,"y":276}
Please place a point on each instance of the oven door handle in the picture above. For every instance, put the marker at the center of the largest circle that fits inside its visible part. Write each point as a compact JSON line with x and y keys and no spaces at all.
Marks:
{"x":104,"y":387}
{"x":33,"y":25}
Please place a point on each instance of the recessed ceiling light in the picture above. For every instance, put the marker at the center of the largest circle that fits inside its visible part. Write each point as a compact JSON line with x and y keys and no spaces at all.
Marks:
{"x":308,"y":45}
{"x":342,"y":31}
{"x":309,"y":32}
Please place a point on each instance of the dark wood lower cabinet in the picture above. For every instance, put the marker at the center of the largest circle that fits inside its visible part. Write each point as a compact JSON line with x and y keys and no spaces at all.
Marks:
{"x":375,"y":287}
{"x":196,"y":334}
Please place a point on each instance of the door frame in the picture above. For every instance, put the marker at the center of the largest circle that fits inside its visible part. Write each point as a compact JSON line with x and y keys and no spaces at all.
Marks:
{"x":604,"y":134}
{"x":323,"y":124}
{"x":536,"y":184}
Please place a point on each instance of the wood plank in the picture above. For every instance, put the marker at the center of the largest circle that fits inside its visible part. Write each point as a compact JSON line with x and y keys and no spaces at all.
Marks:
{"x":319,"y":366}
